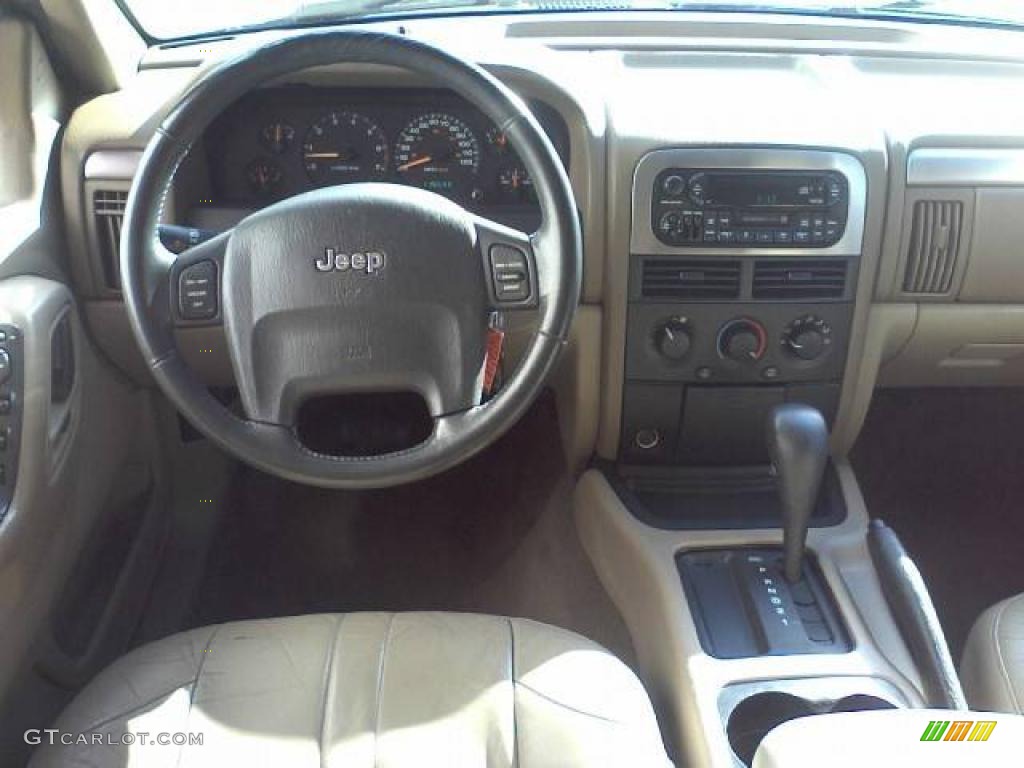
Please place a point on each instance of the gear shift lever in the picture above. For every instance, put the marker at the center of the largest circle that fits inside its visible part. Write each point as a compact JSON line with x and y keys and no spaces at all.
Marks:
{"x":798,"y":446}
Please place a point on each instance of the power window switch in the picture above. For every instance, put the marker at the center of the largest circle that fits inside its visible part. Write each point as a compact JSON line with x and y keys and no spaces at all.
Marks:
{"x":5,"y":404}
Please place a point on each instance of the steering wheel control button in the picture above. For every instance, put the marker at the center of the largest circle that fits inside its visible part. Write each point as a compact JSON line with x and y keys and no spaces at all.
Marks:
{"x":510,"y":273}
{"x":197,"y":291}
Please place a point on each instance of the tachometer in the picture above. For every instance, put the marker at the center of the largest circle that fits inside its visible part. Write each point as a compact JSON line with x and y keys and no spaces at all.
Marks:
{"x":343,"y":147}
{"x":439,"y":152}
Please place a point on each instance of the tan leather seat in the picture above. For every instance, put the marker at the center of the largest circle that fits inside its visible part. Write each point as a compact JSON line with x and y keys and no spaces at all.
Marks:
{"x":992,"y":669}
{"x":366,"y":689}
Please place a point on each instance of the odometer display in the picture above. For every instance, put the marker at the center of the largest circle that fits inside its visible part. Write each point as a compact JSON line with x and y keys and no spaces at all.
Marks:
{"x":343,"y":147}
{"x":439,"y":152}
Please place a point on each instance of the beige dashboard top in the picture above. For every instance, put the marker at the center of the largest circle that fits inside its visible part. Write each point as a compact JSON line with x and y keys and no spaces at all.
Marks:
{"x":629,"y":84}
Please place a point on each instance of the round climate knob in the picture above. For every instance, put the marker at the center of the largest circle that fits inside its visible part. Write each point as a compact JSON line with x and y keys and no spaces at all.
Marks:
{"x":807,"y":338}
{"x":672,"y":339}
{"x":743,"y":340}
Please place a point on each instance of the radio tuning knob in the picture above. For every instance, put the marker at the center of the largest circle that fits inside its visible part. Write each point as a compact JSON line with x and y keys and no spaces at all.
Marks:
{"x":743,"y":340}
{"x":672,"y":338}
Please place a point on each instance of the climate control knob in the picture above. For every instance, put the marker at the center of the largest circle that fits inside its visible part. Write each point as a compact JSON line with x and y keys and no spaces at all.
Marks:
{"x":743,"y":340}
{"x":807,"y":338}
{"x":672,"y":339}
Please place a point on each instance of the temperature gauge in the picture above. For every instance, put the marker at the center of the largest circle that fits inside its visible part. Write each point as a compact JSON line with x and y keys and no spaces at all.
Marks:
{"x":516,"y":185}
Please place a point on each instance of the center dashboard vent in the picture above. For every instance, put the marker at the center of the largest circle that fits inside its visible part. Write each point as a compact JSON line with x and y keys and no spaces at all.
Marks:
{"x":682,"y":278}
{"x":934,"y":246}
{"x":108,"y":214}
{"x":799,"y":279}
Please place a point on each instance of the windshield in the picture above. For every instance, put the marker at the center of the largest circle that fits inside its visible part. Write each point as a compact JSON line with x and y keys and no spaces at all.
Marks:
{"x":163,"y":20}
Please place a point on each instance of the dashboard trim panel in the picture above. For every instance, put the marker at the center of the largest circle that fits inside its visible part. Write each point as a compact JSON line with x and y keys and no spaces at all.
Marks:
{"x":965,"y":167}
{"x":112,"y":164}
{"x":644,"y":241}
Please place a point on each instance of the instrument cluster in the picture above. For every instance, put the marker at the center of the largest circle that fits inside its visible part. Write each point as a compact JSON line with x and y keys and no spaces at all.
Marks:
{"x":278,"y":142}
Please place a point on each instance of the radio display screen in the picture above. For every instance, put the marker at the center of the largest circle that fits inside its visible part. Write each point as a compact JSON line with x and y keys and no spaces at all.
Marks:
{"x":751,"y":191}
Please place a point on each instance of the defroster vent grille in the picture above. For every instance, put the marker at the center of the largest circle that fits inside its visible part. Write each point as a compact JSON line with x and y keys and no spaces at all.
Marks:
{"x":108,"y":211}
{"x":799,"y":279}
{"x":934,"y":246}
{"x":681,"y":278}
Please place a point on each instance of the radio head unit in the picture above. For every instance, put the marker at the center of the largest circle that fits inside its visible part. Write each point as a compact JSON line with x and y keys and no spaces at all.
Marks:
{"x":756,"y":208}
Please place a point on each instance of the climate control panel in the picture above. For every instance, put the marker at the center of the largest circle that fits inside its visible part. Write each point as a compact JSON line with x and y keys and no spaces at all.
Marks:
{"x":735,"y":343}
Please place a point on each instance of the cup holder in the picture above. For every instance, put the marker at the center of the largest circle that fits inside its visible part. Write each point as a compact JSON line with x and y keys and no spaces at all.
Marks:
{"x":756,"y":715}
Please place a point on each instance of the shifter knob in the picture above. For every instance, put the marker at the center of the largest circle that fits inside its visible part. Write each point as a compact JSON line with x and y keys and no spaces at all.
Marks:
{"x":798,"y":446}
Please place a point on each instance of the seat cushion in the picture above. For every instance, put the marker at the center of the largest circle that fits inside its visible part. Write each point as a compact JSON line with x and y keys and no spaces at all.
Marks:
{"x":992,"y":669}
{"x":363,"y":689}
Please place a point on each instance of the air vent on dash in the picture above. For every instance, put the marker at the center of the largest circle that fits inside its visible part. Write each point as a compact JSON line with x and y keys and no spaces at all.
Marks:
{"x":934,"y":246}
{"x":670,"y":278}
{"x":108,"y":211}
{"x":799,"y":279}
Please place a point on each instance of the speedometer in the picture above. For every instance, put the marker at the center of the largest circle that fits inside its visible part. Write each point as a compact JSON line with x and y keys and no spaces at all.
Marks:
{"x":439,"y":152}
{"x":342,"y":147}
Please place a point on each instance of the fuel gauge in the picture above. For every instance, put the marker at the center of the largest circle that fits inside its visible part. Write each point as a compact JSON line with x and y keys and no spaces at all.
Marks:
{"x":264,"y":177}
{"x":277,"y":137}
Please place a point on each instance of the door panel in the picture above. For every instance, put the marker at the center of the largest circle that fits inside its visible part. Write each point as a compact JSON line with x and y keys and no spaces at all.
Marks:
{"x":81,"y":523}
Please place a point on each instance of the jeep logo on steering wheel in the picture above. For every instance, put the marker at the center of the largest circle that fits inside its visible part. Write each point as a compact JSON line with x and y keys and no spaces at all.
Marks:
{"x":370,"y":262}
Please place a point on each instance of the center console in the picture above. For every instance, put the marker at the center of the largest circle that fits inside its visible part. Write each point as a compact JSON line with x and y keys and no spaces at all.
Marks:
{"x":743,"y":268}
{"x":736,"y":549}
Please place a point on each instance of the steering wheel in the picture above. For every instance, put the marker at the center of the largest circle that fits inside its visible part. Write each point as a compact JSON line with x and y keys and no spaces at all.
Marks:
{"x":358,"y":288}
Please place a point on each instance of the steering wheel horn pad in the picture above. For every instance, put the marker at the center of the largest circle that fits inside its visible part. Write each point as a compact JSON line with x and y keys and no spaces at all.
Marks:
{"x":360,"y":288}
{"x":356,"y":288}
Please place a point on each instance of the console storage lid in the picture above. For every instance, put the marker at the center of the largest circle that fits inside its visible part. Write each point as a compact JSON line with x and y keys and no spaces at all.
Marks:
{"x":904,"y":737}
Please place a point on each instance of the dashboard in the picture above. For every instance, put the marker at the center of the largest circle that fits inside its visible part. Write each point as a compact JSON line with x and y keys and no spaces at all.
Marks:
{"x":279,"y":142}
{"x":921,"y":264}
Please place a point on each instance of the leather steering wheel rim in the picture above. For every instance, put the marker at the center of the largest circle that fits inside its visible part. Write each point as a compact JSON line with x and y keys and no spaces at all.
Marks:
{"x":146,"y":266}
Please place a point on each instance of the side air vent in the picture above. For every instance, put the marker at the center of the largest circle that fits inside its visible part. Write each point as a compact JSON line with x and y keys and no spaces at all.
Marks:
{"x":675,"y":278}
{"x":799,"y":279}
{"x":934,"y":246}
{"x":108,"y":212}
